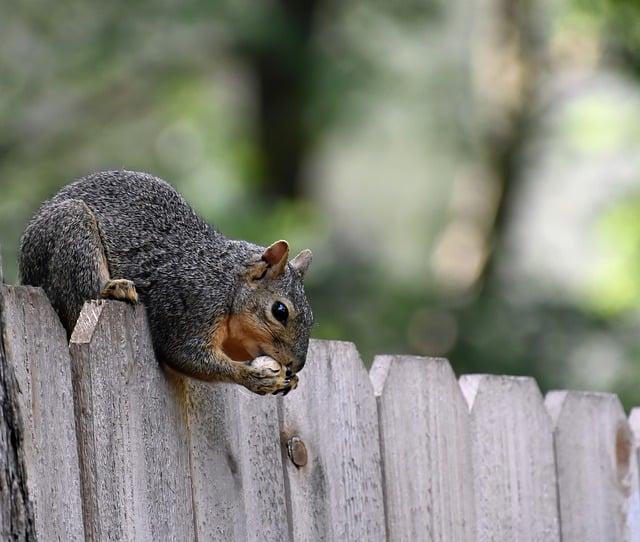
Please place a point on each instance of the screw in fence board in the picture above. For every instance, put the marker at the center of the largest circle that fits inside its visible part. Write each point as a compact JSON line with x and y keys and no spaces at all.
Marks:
{"x":132,"y":435}
{"x":16,"y":510}
{"x":513,"y":459}
{"x":236,"y":464}
{"x":595,"y":465}
{"x":37,"y":351}
{"x":337,"y":495}
{"x":426,"y":454}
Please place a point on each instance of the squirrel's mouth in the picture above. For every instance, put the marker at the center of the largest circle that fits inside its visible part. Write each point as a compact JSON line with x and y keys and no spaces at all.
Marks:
{"x":243,"y":353}
{"x":245,"y":340}
{"x":237,"y":351}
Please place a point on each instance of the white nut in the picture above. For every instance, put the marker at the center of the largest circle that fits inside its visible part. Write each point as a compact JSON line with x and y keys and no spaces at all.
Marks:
{"x":267,"y":363}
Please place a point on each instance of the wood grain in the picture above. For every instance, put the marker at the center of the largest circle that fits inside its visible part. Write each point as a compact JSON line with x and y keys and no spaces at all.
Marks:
{"x":36,"y":350}
{"x":236,"y":462}
{"x":633,"y":509}
{"x":131,"y":431}
{"x":596,"y":478}
{"x":338,"y":494}
{"x":105,"y":444}
{"x":426,"y":452}
{"x":513,"y":459}
{"x":17,"y":520}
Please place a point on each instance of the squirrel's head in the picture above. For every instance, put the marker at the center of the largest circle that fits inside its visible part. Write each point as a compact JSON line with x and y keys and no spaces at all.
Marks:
{"x":270,"y":314}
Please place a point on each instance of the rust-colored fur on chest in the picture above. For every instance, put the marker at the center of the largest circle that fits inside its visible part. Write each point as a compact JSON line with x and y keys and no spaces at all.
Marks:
{"x":240,"y":336}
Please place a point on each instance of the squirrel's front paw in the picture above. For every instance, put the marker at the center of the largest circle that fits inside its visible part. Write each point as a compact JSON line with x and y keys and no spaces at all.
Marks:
{"x":121,"y":290}
{"x":265,"y":375}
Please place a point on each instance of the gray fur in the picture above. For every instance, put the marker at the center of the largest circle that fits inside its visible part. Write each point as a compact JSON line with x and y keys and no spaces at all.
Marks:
{"x":122,"y":224}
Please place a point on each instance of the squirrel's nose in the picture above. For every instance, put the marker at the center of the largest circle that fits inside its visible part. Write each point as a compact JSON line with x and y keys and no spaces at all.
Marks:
{"x":298,"y":364}
{"x":289,"y":372}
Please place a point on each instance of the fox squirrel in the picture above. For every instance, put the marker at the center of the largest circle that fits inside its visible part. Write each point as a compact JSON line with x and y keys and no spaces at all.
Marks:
{"x":214,"y":305}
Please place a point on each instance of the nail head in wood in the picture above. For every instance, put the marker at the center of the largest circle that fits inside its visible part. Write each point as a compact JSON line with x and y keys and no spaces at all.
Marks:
{"x":297,"y":451}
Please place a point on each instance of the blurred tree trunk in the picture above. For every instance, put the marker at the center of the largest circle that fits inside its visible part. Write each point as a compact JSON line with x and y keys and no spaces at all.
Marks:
{"x":284,"y":68}
{"x":509,"y":58}
{"x":508,"y":74}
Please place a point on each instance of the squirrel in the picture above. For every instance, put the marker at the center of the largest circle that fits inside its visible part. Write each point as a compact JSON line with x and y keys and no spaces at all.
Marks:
{"x":214,"y":305}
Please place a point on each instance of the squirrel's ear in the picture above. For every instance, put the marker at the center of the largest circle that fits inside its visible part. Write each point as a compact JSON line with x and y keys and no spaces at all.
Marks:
{"x":276,"y":254}
{"x":272,"y":262}
{"x":276,"y":257}
{"x":302,"y":261}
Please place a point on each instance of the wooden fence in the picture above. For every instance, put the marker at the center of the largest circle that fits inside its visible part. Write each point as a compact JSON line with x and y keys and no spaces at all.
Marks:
{"x":117,"y":448}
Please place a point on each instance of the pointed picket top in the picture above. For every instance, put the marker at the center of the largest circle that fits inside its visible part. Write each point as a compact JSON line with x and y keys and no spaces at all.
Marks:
{"x":597,"y":471}
{"x":379,"y":372}
{"x":513,"y":459}
{"x":36,"y":350}
{"x":88,"y":322}
{"x":469,"y":385}
{"x":553,"y":402}
{"x":17,"y":517}
{"x":132,"y":437}
{"x":329,"y":427}
{"x":426,"y":452}
{"x":518,"y":387}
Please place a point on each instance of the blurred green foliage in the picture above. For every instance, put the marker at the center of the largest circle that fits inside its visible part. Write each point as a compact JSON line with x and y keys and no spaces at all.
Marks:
{"x":617,"y":20}
{"x":618,"y":288}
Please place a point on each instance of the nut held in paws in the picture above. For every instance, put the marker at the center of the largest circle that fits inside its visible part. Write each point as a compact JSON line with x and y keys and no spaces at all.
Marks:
{"x":267,"y":363}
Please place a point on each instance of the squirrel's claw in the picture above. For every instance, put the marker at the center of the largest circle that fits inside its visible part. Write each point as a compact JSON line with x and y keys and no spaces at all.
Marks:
{"x":292,"y":385}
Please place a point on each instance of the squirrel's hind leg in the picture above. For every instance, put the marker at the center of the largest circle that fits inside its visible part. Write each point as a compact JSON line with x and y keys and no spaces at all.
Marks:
{"x":62,"y":251}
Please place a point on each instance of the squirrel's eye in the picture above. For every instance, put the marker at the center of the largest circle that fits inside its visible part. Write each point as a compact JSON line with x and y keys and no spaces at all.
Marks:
{"x":280,"y":312}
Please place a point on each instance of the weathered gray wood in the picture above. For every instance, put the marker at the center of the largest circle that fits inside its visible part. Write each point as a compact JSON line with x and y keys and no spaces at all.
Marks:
{"x":426,"y":452}
{"x":132,"y":433}
{"x":634,"y":423}
{"x":593,"y":444}
{"x":16,"y":510}
{"x":513,"y":459}
{"x":633,"y":511}
{"x":337,"y":494}
{"x":236,"y":463}
{"x":36,"y":350}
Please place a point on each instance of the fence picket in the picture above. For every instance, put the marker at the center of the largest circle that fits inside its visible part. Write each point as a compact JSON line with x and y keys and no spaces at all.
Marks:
{"x":425,"y":443}
{"x":594,"y":461}
{"x":36,"y":349}
{"x":118,"y":448}
{"x":236,"y":463}
{"x":132,"y":434}
{"x":513,"y":459}
{"x":335,"y":490}
{"x":633,"y":512}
